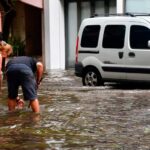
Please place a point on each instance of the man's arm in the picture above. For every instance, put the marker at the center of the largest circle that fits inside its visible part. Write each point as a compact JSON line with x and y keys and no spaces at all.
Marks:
{"x":9,"y":49}
{"x":39,"y":74}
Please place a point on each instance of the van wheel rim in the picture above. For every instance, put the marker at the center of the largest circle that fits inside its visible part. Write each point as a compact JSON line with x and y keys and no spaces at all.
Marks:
{"x":91,"y":79}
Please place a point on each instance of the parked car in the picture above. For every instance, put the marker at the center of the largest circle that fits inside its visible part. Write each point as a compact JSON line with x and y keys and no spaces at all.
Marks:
{"x":113,"y":48}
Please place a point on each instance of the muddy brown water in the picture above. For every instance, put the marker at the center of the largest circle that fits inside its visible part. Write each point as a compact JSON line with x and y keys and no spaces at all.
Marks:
{"x":75,"y":117}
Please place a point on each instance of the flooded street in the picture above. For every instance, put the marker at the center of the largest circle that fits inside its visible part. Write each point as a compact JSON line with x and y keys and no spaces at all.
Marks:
{"x":73,"y":117}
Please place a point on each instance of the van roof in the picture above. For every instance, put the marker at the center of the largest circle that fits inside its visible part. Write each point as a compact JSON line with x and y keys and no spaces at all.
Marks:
{"x":140,"y":18}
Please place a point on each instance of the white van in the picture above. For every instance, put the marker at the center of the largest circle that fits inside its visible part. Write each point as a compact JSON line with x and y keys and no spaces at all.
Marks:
{"x":113,"y":48}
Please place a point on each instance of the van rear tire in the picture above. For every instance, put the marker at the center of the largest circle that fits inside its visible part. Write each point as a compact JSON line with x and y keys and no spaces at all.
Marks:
{"x":91,"y":77}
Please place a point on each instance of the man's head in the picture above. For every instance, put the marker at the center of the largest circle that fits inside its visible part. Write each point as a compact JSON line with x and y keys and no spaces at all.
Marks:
{"x":1,"y":36}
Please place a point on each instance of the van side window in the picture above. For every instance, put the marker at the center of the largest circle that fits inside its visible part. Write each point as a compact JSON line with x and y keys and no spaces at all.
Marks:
{"x":139,"y":36}
{"x":90,"y":36}
{"x":114,"y":36}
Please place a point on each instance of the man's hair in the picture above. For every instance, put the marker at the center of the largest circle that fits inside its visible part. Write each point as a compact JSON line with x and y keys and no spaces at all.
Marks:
{"x":1,"y":36}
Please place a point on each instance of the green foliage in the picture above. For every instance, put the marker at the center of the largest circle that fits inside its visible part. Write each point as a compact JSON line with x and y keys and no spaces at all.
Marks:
{"x":18,"y":46}
{"x":14,"y":1}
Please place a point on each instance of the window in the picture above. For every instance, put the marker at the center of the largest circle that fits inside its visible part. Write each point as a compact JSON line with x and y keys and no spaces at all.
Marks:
{"x":139,"y":36}
{"x":142,"y":6}
{"x":114,"y":36}
{"x":90,"y":36}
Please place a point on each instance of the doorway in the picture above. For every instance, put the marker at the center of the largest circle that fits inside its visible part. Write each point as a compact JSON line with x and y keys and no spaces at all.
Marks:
{"x":33,"y":31}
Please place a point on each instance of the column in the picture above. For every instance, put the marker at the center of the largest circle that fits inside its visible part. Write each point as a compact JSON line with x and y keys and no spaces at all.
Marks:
{"x":54,"y":34}
{"x":120,"y":6}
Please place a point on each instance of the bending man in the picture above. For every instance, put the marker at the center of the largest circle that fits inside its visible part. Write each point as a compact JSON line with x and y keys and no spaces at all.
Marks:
{"x":21,"y":71}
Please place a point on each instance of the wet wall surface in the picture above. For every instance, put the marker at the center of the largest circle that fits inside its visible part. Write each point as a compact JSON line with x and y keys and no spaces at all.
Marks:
{"x":111,"y":117}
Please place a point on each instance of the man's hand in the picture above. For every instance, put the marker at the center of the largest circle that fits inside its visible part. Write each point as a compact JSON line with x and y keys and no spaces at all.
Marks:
{"x":40,"y":69}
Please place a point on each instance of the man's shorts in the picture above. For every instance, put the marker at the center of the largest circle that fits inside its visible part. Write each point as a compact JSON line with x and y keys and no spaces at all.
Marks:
{"x":21,"y":75}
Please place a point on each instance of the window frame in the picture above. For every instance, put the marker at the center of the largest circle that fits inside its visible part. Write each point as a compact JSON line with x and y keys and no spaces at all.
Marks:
{"x":84,"y":37}
{"x":109,"y":38}
{"x":136,"y":47}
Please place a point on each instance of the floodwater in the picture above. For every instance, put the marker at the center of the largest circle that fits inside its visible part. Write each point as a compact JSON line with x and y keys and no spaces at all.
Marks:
{"x":74,"y":117}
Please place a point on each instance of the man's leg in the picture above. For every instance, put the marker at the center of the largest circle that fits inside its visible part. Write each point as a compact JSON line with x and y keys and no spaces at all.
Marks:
{"x":11,"y":104}
{"x":35,"y":105}
{"x":3,"y":64}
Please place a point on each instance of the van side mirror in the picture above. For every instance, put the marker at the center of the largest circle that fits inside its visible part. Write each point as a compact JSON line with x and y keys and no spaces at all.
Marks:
{"x":148,"y":44}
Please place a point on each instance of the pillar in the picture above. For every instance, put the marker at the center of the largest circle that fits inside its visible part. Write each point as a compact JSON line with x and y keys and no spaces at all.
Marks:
{"x":54,"y":34}
{"x":120,"y":6}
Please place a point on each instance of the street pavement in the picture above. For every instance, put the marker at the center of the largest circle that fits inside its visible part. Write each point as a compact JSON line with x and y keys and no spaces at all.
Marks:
{"x":111,"y":117}
{"x":75,"y":117}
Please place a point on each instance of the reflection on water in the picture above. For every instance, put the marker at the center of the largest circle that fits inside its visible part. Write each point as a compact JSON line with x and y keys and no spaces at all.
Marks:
{"x":76,"y":117}
{"x":52,"y":129}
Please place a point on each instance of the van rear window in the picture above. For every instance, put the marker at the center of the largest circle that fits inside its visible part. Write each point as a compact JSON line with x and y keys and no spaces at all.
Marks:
{"x":114,"y":36}
{"x":90,"y":36}
{"x":139,"y":37}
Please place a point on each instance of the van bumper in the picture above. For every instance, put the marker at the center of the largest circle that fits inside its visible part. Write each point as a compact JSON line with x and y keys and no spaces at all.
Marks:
{"x":78,"y":69}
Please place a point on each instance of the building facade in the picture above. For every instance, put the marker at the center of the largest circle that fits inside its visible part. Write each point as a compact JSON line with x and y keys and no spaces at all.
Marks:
{"x":62,"y":19}
{"x":50,"y":27}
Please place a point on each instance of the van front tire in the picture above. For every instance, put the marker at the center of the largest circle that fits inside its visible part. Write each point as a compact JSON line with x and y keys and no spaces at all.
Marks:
{"x":91,"y":77}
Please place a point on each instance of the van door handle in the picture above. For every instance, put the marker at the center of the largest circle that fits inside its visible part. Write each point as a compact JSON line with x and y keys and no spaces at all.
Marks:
{"x":120,"y":54}
{"x":131,"y":54}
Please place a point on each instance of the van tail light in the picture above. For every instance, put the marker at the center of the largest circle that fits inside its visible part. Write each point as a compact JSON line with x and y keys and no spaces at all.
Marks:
{"x":77,"y":46}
